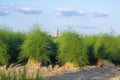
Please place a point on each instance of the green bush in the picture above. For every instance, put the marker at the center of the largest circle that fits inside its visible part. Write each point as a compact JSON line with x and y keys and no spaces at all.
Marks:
{"x":10,"y":41}
{"x":38,"y":46}
{"x":89,"y":42}
{"x":99,"y":48}
{"x":71,"y":49}
{"x":4,"y":34}
{"x":107,"y":46}
{"x":15,"y":41}
{"x":112,"y":47}
{"x":102,"y":45}
{"x":4,"y":56}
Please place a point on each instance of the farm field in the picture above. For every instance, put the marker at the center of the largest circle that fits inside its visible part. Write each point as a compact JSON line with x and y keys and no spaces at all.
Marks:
{"x":68,"y":55}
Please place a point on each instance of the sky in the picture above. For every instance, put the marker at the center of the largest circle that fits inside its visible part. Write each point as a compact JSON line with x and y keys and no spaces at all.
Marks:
{"x":83,"y":16}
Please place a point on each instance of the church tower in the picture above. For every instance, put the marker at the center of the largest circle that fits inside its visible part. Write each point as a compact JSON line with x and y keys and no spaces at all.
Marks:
{"x":57,"y":33}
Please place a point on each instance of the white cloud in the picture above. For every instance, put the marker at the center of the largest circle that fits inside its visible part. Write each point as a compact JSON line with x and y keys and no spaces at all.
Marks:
{"x":28,"y":10}
{"x":70,"y":12}
{"x":101,"y":14}
{"x":4,"y":10}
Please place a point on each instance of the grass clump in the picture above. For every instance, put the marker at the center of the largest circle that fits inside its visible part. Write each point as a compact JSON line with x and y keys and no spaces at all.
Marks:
{"x":71,"y":49}
{"x":15,"y":41}
{"x":18,"y":76}
{"x":89,"y":42}
{"x":4,"y":53}
{"x":38,"y":46}
{"x":4,"y":56}
{"x":112,"y":47}
{"x":10,"y":42}
{"x":103,"y":46}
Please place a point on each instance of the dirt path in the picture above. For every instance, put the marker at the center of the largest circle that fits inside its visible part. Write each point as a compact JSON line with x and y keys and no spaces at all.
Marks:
{"x":87,"y":74}
{"x":69,"y":73}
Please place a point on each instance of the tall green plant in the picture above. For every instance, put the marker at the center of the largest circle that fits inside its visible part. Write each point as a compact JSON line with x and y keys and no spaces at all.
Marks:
{"x":71,"y":49}
{"x":38,"y":46}
{"x":11,"y":42}
{"x":99,"y":47}
{"x":112,"y":47}
{"x":4,"y":56}
{"x":4,"y":37}
{"x":15,"y":41}
{"x":89,"y":42}
{"x":107,"y":46}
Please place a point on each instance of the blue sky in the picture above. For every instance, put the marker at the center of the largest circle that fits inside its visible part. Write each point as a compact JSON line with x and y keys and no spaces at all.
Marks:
{"x":84,"y":16}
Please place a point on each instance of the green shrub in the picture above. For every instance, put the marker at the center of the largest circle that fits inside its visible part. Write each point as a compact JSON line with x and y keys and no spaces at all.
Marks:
{"x":112,"y":47}
{"x":107,"y":46}
{"x":71,"y":49}
{"x":11,"y":42}
{"x":89,"y":42}
{"x":99,"y":47}
{"x":38,"y":46}
{"x":4,"y":34}
{"x":4,"y":37}
{"x":102,"y":46}
{"x":15,"y":41}
{"x":4,"y":56}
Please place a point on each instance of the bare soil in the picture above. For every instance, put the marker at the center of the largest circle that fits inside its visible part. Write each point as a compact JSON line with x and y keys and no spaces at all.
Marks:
{"x":68,"y":72}
{"x":88,"y":74}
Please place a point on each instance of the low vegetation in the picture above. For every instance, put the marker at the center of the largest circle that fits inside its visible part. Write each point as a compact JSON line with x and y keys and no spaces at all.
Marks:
{"x":20,"y":76}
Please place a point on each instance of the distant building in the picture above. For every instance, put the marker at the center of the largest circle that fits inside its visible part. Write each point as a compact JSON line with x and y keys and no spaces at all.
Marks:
{"x":57,"y":34}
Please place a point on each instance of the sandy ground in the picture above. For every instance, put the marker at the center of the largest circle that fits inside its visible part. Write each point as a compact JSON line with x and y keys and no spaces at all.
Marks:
{"x":87,"y":74}
{"x":70,"y":73}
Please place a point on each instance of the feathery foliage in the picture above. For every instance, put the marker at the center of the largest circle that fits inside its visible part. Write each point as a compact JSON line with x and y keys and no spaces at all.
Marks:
{"x":71,"y":49}
{"x":89,"y":42}
{"x":9,"y":44}
{"x":4,"y":56}
{"x":15,"y":41}
{"x":38,"y":46}
{"x":4,"y":37}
